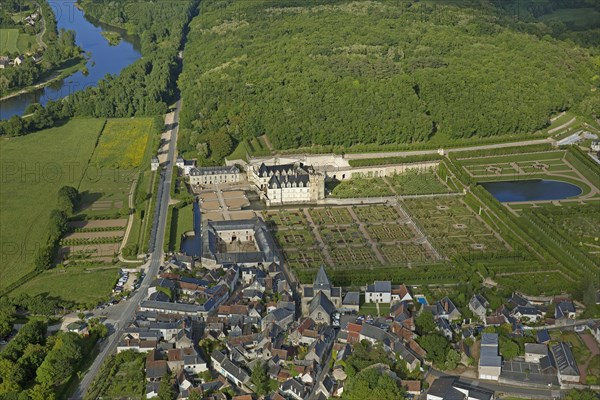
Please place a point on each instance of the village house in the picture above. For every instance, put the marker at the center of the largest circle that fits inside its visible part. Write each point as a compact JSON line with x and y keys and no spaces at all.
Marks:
{"x":490,"y":363}
{"x":444,"y":308}
{"x":564,"y":310}
{"x":565,"y":363}
{"x":478,"y":305}
{"x":379,"y":292}
{"x":535,"y":351}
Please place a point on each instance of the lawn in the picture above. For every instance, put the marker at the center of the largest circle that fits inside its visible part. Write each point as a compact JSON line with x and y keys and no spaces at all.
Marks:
{"x":123,"y":143}
{"x":185,"y":223}
{"x":8,"y":40}
{"x":33,"y":169}
{"x":361,"y":187}
{"x":124,"y":148}
{"x":74,"y":284}
{"x":417,"y":182}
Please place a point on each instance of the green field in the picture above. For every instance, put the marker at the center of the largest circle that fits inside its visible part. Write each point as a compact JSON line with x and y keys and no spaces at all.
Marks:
{"x":123,"y":149}
{"x":75,"y":284}
{"x":362,"y":187}
{"x":123,"y":143}
{"x":417,"y":182}
{"x":8,"y":40}
{"x":182,"y":221}
{"x":34,"y":167}
{"x":12,"y":41}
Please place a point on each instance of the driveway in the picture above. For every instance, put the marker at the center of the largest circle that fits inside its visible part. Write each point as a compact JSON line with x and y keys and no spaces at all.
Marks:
{"x":592,"y":345}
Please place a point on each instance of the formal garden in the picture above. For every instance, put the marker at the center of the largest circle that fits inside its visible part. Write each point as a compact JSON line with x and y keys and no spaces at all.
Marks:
{"x":454,"y":227}
{"x":348,"y":237}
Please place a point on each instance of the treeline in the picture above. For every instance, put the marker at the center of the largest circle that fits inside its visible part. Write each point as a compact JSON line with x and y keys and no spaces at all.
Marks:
{"x":344,"y":74}
{"x":142,"y":89}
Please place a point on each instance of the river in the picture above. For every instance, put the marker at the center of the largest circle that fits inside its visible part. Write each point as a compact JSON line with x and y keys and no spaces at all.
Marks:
{"x":104,"y":59}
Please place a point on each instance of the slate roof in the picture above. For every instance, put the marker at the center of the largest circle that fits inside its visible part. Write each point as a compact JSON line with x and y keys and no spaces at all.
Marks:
{"x":443,"y":388}
{"x":489,"y":357}
{"x":536,"y":348}
{"x":489,"y":339}
{"x":214,"y":170}
{"x":373,"y":332}
{"x":543,"y":336}
{"x":380,"y":287}
{"x":283,"y":181}
{"x":352,"y":299}
{"x":281,"y":169}
{"x":564,"y":308}
{"x":564,"y":359}
{"x":321,"y":300}
{"x":524,"y":310}
{"x":179,"y":307}
{"x":321,"y":281}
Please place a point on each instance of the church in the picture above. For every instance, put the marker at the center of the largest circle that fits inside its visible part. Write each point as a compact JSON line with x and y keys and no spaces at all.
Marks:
{"x":320,"y":300}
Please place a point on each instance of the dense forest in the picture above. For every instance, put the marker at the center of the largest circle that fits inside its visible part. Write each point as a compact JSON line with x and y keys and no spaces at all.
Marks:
{"x":142,"y":89}
{"x":383,"y":72}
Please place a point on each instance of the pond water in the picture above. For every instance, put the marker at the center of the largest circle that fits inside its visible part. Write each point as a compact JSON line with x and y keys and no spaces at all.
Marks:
{"x":104,"y":59}
{"x":191,"y":245}
{"x":531,"y":190}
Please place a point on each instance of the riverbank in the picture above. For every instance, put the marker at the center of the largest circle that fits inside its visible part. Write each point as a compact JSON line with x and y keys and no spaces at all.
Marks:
{"x":72,"y":66}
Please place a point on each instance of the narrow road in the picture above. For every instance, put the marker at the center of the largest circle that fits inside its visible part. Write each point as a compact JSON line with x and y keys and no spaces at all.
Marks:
{"x":39,"y":37}
{"x":518,"y":391}
{"x":109,"y":345}
{"x":129,"y":224}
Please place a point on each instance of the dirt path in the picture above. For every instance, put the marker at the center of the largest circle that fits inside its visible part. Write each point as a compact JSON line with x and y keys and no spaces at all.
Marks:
{"x":592,"y":345}
{"x":319,"y":239}
{"x":359,"y":156}
{"x":363,"y":230}
{"x":129,"y":224}
{"x":39,"y":37}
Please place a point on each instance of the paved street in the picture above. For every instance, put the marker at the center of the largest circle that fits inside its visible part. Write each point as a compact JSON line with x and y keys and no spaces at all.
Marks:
{"x":501,"y":388}
{"x":109,"y":345}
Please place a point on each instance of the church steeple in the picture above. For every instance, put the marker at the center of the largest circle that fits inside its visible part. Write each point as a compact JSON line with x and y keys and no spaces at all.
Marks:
{"x":322,"y":281}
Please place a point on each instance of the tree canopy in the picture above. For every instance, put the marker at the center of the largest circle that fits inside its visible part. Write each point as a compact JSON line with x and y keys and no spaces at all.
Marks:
{"x":343,"y":73}
{"x":372,"y":384}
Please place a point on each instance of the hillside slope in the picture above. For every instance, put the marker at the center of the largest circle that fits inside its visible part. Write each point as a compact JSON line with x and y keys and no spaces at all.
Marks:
{"x":379,"y":72}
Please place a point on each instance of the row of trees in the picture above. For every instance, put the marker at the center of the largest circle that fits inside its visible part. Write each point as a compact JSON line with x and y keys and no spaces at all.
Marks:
{"x":394,"y":74}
